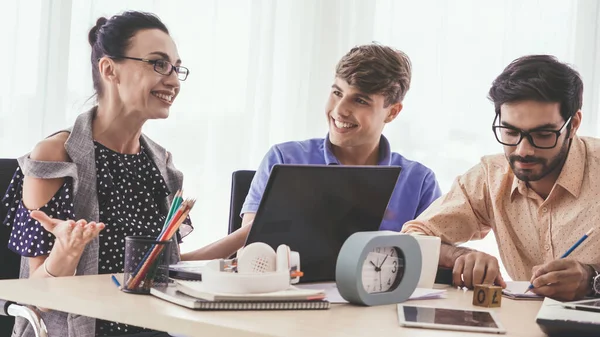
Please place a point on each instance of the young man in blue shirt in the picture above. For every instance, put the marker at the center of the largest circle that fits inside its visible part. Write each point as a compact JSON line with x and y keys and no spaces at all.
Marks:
{"x":367,"y":93}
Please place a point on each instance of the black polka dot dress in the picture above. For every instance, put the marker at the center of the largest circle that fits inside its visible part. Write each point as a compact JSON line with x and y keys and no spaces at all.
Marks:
{"x":130,"y":190}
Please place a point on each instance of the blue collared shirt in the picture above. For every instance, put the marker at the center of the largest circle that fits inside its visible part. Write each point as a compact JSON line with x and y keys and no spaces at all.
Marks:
{"x":415,"y":189}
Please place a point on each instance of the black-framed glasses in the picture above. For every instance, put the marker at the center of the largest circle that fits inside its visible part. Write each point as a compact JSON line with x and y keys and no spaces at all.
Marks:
{"x":541,"y":139}
{"x":161,"y":66}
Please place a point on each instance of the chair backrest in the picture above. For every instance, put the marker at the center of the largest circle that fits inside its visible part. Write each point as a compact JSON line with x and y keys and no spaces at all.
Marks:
{"x":7,"y":170}
{"x":9,"y":261}
{"x":240,"y":185}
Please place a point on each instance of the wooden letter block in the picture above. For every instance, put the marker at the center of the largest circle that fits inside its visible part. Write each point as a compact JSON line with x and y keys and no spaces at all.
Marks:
{"x":487,"y":295}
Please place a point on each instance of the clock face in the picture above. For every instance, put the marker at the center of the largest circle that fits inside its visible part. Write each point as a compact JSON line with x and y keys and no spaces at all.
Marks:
{"x":382,"y":270}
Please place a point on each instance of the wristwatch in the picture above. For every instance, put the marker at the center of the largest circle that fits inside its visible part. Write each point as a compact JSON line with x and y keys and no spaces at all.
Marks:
{"x":595,"y":281}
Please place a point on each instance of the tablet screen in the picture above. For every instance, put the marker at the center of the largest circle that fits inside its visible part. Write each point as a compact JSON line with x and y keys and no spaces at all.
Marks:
{"x":481,"y":319}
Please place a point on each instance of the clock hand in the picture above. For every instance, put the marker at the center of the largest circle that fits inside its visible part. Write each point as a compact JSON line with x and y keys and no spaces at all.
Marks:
{"x":374,"y":265}
{"x":383,"y":261}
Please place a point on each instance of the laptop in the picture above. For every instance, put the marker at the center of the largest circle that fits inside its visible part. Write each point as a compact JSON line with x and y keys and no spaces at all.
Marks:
{"x":314,"y":208}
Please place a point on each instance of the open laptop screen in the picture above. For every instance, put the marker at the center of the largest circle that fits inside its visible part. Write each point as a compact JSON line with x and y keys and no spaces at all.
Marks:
{"x":315,"y":208}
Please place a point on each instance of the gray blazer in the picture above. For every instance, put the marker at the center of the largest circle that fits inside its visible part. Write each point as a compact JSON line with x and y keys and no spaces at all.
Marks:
{"x":82,"y":169}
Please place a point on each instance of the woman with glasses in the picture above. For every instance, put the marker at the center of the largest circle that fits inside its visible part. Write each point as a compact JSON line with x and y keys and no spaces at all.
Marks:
{"x":81,"y":191}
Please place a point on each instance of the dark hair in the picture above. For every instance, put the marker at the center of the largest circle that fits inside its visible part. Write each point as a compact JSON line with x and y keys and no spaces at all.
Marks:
{"x":112,"y":37}
{"x":377,"y":69}
{"x":539,"y":78}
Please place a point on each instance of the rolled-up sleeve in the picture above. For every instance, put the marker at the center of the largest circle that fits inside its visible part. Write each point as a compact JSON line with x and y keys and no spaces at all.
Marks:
{"x":461,"y":215}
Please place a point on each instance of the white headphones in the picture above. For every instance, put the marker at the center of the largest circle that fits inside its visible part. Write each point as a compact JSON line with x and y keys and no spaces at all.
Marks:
{"x":257,"y":269}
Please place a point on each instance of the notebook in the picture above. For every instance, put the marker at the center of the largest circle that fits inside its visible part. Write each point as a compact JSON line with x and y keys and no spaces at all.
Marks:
{"x":187,"y":270}
{"x":198,"y":290}
{"x":169,"y":293}
{"x":516,"y":290}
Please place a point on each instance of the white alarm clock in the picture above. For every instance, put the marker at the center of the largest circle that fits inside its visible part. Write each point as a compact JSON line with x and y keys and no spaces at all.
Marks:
{"x":378,"y":267}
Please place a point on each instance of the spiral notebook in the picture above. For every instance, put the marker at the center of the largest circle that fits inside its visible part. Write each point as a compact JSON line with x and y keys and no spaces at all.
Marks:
{"x":171,"y":294}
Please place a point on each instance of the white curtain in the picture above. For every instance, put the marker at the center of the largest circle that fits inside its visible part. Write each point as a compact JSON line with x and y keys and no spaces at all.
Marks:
{"x":260,"y":73}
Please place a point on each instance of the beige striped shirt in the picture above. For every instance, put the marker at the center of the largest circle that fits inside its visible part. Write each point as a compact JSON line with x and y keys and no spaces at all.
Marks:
{"x":529,"y":230}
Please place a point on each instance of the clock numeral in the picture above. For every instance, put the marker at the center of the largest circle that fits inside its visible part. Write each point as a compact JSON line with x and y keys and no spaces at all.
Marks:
{"x":392,"y":252}
{"x":389,"y":282}
{"x":395,"y":269}
{"x":377,"y":250}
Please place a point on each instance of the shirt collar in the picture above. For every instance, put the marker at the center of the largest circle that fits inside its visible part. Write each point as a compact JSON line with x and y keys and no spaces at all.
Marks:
{"x":385,"y":153}
{"x":571,"y":175}
{"x":517,"y":185}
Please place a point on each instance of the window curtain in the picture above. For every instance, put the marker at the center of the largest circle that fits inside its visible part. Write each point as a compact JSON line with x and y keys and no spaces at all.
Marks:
{"x":261,"y":72}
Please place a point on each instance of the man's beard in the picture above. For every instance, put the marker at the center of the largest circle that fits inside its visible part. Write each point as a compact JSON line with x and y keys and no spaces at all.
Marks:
{"x":548,"y":166}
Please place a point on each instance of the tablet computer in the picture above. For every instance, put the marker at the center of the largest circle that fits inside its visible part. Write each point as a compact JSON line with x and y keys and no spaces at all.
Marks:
{"x":449,"y":319}
{"x":314,"y":208}
{"x":587,"y":305}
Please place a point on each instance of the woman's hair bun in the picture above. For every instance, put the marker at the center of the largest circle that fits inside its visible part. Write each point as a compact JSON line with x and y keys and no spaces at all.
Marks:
{"x":93,"y":34}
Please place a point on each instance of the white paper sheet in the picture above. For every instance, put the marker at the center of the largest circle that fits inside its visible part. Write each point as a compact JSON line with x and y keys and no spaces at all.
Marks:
{"x":333,"y":295}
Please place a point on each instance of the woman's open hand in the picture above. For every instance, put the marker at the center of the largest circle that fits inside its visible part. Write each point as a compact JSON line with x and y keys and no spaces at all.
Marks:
{"x":71,"y":235}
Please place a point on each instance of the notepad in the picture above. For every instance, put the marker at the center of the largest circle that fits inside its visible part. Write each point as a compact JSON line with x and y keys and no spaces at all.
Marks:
{"x":198,"y":290}
{"x":516,"y":290}
{"x":171,"y":294}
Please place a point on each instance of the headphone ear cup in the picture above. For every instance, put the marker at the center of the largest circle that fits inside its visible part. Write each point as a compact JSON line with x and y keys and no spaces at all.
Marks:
{"x":257,"y":257}
{"x":283,"y":258}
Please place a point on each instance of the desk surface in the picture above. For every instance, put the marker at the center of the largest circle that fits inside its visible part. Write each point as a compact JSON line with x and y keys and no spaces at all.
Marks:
{"x":96,"y":296}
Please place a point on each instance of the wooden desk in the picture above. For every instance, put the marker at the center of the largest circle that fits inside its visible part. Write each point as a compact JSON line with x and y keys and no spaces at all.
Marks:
{"x":96,"y":296}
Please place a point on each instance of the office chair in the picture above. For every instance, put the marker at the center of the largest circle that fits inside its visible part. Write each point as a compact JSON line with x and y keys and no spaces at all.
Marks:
{"x":10,"y":264}
{"x":240,"y":185}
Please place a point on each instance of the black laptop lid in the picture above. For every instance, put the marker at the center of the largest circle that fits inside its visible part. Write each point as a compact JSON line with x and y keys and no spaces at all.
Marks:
{"x":315,"y":208}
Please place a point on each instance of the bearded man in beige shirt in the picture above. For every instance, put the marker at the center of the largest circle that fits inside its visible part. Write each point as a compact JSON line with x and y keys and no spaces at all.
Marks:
{"x":539,"y":198}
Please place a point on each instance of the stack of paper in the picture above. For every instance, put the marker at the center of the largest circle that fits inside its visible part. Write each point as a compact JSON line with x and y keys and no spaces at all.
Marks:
{"x":516,"y":290}
{"x":426,"y":294}
{"x":333,"y":295}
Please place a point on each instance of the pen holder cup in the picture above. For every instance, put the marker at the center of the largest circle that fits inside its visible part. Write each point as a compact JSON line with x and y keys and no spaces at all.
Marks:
{"x":146,"y":264}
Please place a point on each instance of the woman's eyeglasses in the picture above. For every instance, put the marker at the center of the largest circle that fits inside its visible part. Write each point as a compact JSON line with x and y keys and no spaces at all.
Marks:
{"x":161,"y":66}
